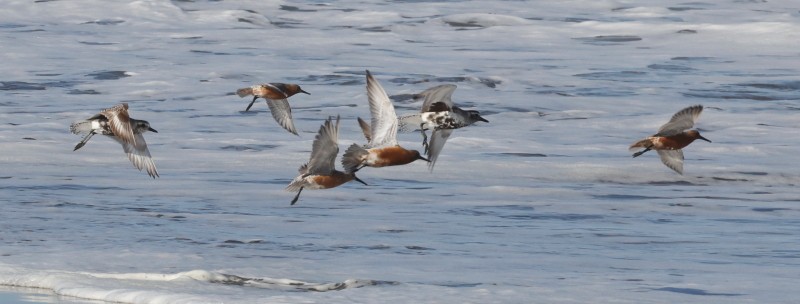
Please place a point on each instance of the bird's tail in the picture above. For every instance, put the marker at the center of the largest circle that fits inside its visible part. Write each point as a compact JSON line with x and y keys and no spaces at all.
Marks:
{"x":409,"y":123}
{"x":642,"y":144}
{"x":353,"y":158}
{"x":244,"y":92}
{"x":80,"y":127}
{"x":297,"y":183}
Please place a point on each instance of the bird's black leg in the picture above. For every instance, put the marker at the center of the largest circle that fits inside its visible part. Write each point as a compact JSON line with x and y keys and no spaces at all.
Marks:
{"x":297,"y":196}
{"x":83,"y":141}
{"x":641,"y":152}
{"x":251,"y":103}
{"x":424,"y":137}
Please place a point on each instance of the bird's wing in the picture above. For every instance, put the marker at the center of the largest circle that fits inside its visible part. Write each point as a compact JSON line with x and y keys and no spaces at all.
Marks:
{"x":279,"y":87}
{"x":673,"y":159}
{"x":365,"y":128}
{"x":440,"y":93}
{"x":139,"y":155}
{"x":384,"y":119}
{"x":120,"y":123}
{"x":325,"y":149}
{"x":282,"y":113}
{"x":681,"y":121}
{"x":438,"y":138}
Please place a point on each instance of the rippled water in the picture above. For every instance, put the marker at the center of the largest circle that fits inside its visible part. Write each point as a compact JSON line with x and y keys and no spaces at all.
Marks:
{"x":542,"y":204}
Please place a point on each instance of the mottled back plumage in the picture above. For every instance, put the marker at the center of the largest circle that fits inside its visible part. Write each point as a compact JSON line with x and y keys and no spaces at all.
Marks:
{"x":116,"y":123}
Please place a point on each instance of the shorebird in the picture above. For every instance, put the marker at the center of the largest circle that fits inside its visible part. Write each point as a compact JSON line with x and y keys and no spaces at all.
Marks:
{"x":382,"y":148}
{"x":116,"y":123}
{"x":440,"y":114}
{"x":320,"y":171}
{"x":276,"y":95}
{"x":672,"y":137}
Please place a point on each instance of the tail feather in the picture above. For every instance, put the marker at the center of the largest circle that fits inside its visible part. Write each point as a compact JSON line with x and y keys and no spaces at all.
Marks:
{"x":296,"y":184}
{"x":80,"y":127}
{"x":353,"y":158}
{"x":244,"y":92}
{"x":642,"y":144}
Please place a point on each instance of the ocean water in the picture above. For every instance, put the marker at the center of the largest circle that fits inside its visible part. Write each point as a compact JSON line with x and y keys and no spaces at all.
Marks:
{"x":544,"y":204}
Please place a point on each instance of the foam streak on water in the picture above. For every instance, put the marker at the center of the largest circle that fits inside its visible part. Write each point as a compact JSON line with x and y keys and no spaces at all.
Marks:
{"x":542,"y":204}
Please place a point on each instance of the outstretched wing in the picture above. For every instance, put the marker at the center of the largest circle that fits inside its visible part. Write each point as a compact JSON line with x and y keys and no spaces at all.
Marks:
{"x":438,"y":138}
{"x":282,"y":113}
{"x":440,"y":93}
{"x":673,"y":159}
{"x":681,"y":121}
{"x":120,"y":123}
{"x":384,"y":119}
{"x":139,"y":155}
{"x":325,"y":149}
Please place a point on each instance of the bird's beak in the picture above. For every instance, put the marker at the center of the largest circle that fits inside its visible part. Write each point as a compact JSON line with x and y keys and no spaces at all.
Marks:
{"x":152,"y":130}
{"x":425,"y":159}
{"x":482,"y":119}
{"x":703,"y":138}
{"x":301,"y":91}
{"x":359,"y":180}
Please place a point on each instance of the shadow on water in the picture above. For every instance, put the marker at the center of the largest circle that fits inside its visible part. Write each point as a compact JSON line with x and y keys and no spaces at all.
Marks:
{"x":609,"y":39}
{"x":696,"y":292}
{"x":759,"y":91}
{"x":522,"y":213}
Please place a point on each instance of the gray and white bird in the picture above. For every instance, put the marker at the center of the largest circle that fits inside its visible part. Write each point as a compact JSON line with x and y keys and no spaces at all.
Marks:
{"x":441,"y":115}
{"x":276,"y":95}
{"x":116,"y":123}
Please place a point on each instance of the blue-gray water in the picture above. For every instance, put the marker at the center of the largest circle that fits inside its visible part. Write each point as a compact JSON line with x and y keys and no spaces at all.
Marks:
{"x":542,"y":204}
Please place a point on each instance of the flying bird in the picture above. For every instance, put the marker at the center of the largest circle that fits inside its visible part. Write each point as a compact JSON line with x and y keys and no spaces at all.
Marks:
{"x":320,"y":171}
{"x":442,"y":116}
{"x":116,"y":123}
{"x":672,"y":137}
{"x":276,"y":95}
{"x":382,"y":148}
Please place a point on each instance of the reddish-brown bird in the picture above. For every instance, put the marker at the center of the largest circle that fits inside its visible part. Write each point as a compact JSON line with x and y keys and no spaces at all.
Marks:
{"x":320,"y":171}
{"x":382,"y":149}
{"x":672,"y":137}
{"x":276,"y":95}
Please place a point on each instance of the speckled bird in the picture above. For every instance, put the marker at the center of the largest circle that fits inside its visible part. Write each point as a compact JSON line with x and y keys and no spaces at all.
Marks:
{"x":115,"y":122}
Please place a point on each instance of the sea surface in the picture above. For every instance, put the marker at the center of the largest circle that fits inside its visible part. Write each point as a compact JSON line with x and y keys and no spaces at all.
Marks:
{"x":543,"y":204}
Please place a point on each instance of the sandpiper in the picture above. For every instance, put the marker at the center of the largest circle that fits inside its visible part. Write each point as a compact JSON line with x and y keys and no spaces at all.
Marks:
{"x":117,"y":124}
{"x":440,"y":114}
{"x":382,"y":148}
{"x":276,"y":95}
{"x":672,"y":137}
{"x":320,"y":171}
